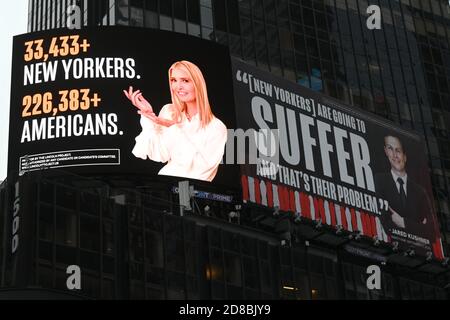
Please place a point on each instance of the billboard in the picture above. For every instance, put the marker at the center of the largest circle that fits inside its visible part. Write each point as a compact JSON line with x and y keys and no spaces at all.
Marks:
{"x":120,"y":100}
{"x":326,"y":161}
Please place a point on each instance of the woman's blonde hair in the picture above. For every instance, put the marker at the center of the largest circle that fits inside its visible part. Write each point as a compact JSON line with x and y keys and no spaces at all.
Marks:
{"x":201,"y":93}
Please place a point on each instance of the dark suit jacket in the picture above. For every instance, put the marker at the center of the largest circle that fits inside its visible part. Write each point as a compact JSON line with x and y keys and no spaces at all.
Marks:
{"x":418,"y":206}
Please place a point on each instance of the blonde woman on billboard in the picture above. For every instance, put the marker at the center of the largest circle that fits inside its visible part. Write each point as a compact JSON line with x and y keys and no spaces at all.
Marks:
{"x":186,"y":135}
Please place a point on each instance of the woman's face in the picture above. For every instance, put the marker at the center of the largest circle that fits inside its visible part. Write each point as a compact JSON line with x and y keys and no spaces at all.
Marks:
{"x":182,"y":85}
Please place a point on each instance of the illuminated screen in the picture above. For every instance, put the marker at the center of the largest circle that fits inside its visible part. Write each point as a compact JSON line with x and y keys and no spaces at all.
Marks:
{"x":120,"y":100}
{"x":333,"y":163}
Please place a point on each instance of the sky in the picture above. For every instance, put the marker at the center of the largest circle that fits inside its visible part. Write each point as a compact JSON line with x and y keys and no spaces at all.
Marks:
{"x":13,"y":21}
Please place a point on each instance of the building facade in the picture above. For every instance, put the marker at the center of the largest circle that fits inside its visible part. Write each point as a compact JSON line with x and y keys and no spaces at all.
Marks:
{"x":131,"y":240}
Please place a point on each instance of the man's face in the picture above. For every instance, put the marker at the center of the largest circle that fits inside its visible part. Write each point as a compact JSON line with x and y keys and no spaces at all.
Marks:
{"x":394,"y":151}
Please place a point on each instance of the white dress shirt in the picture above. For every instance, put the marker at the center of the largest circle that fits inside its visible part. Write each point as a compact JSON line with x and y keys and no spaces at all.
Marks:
{"x":189,"y":150}
{"x":405,"y":180}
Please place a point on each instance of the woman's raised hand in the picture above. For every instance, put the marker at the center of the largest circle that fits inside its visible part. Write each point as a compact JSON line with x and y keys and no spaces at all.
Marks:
{"x":145,"y":109}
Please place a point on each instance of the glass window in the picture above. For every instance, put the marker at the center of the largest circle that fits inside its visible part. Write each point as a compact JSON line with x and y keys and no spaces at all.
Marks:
{"x":153,"y":221}
{"x":151,"y":19}
{"x":234,"y":292}
{"x":45,"y":250}
{"x":154,"y":293}
{"x":45,"y":274}
{"x":429,"y":293}
{"x":89,"y":203}
{"x":233,"y":269}
{"x":154,"y":275}
{"x":154,"y":248}
{"x":217,"y":290}
{"x":388,"y":285}
{"x":108,"y":238}
{"x":214,"y":237}
{"x":151,"y":5}
{"x":318,"y":291}
{"x":46,"y":223}
{"x":248,"y":246}
{"x":299,"y":259}
{"x":194,"y":30}
{"x":165,"y":7}
{"x":108,"y":265}
{"x":206,"y":17}
{"x":285,"y":255}
{"x":191,"y":258}
{"x":331,"y":288}
{"x":215,"y":269}
{"x":135,"y":216}
{"x":136,"y":271}
{"x":108,"y":289}
{"x":173,"y":227}
{"x":137,"y":290}
{"x":302,"y":289}
{"x":416,"y":291}
{"x":193,"y":9}
{"x":287,"y":277}
{"x":441,"y":294}
{"x":265,"y":277}
{"x":89,"y":261}
{"x":66,"y":197}
{"x":137,"y":17}
{"x":175,"y":286}
{"x":66,"y":256}
{"x":165,"y":23}
{"x":179,"y":9}
{"x":47,"y":192}
{"x":250,"y":273}
{"x":192,"y":288}
{"x":404,"y":289}
{"x":315,"y":264}
{"x":66,"y":228}
{"x":175,"y":255}
{"x":89,"y":233}
{"x":61,"y":280}
{"x":230,"y":241}
{"x":233,"y":16}
{"x":136,"y":244}
{"x":189,"y":231}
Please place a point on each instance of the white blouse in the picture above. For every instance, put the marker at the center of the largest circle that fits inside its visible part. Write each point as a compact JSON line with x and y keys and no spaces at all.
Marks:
{"x":189,"y":150}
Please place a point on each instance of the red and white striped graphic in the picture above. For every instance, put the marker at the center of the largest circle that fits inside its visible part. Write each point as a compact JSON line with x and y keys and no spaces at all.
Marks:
{"x":271,"y":195}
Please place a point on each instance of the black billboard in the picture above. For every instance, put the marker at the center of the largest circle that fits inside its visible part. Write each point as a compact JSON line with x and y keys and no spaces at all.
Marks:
{"x":332,"y":163}
{"x":120,"y":100}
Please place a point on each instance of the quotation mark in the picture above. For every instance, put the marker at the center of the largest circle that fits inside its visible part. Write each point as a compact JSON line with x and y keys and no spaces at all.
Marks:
{"x":242,"y":77}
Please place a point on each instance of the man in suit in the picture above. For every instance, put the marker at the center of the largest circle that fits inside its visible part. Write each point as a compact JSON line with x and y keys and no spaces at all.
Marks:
{"x":409,"y":205}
